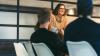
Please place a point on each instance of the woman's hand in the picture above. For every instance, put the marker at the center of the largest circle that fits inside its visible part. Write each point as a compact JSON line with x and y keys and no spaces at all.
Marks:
{"x":61,"y":33}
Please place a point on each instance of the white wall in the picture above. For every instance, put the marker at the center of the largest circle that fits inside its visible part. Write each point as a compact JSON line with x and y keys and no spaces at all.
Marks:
{"x":70,"y":19}
{"x":11,"y":18}
{"x":27,"y":19}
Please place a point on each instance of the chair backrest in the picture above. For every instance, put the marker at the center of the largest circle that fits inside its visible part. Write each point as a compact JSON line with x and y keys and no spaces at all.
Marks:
{"x":20,"y":50}
{"x":81,"y":48}
{"x":29,"y":49}
{"x":42,"y":50}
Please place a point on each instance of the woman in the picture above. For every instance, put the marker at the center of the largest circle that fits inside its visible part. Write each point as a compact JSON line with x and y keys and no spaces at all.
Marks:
{"x":59,"y":20}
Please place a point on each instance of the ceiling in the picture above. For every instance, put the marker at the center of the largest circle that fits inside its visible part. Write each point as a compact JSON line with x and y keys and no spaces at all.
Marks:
{"x":97,"y":2}
{"x":37,"y":3}
{"x":94,"y":1}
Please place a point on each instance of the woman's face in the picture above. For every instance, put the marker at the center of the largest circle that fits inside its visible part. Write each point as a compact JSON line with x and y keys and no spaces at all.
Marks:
{"x":61,"y":10}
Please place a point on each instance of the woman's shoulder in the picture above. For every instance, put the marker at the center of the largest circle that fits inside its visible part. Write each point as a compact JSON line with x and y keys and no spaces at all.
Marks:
{"x":65,"y":16}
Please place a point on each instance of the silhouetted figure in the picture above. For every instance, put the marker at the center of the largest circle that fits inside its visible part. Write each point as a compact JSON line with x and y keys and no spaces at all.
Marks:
{"x":83,"y":28}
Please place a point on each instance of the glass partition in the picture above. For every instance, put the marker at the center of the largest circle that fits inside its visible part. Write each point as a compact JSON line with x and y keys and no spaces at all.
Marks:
{"x":8,"y":32}
{"x":28,"y":19}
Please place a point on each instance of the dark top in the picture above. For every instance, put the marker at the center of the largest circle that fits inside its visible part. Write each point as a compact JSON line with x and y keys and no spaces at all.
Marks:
{"x":84,"y":29}
{"x":50,"y":39}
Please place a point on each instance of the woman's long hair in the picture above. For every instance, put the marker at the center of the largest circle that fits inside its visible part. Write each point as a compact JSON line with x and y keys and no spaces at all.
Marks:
{"x":55,"y":11}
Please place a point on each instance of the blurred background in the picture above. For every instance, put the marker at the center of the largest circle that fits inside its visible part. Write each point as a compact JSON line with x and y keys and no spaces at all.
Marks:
{"x":19,"y":17}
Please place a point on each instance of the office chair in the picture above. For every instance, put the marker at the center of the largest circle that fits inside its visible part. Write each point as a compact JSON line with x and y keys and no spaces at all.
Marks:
{"x":20,"y":49}
{"x":42,"y":50}
{"x":29,"y":49}
{"x":81,"y":48}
